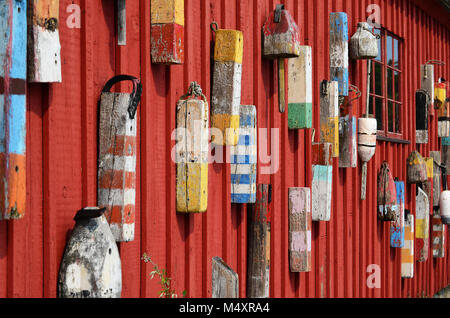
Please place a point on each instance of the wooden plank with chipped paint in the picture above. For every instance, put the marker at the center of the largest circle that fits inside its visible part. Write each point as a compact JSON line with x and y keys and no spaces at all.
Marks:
{"x":225,"y":281}
{"x":445,"y":142}
{"x":300,"y":230}
{"x":258,"y":252}
{"x":339,"y":51}
{"x":226,"y":93}
{"x":407,"y":254}
{"x":321,"y":192}
{"x":427,"y":80}
{"x":322,"y":154}
{"x":436,"y":156}
{"x":192,"y":156}
{"x":347,"y":142}
{"x":422,"y":225}
{"x":117,"y":164}
{"x":329,"y":115}
{"x":243,"y":159}
{"x":44,"y":48}
{"x":13,"y":72}
{"x":300,"y":90}
{"x":438,"y":235}
{"x":398,"y":225}
{"x":421,"y":118}
{"x":167,"y":31}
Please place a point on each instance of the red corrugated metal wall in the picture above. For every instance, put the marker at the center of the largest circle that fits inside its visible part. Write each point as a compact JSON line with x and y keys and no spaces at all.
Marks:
{"x":62,"y":157}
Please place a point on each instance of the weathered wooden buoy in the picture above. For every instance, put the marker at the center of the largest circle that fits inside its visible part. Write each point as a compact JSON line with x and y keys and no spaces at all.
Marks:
{"x":44,"y":58}
{"x":281,"y":40}
{"x":167,"y":33}
{"x":363,"y":44}
{"x":300,"y":90}
{"x":387,"y":195}
{"x":398,"y":225}
{"x":407,"y":255}
{"x":321,"y":190}
{"x":226,"y":92}
{"x":300,"y":230}
{"x":329,"y":115}
{"x":243,"y":161}
{"x":445,"y":152}
{"x":443,"y":110}
{"x":117,"y":157}
{"x":322,"y":154}
{"x":367,"y":143}
{"x":258,"y":243}
{"x":438,"y":235}
{"x":13,"y":73}
{"x":121,"y":22}
{"x":444,"y":199}
{"x":192,"y":152}
{"x":427,"y":80}
{"x":421,"y":117}
{"x":436,"y":156}
{"x":339,"y":51}
{"x":440,"y":94}
{"x":416,"y":168}
{"x":422,"y":225}
{"x":225,"y":281}
{"x":347,"y":131}
{"x":91,"y":266}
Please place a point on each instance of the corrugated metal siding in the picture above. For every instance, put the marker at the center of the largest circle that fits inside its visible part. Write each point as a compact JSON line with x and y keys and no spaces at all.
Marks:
{"x":62,"y":157}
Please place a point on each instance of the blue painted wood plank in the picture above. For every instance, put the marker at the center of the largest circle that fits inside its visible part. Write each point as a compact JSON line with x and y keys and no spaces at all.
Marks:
{"x":398,"y":226}
{"x":339,"y":51}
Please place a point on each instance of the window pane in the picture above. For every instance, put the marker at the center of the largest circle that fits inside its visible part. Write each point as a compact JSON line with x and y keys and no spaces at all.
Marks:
{"x":389,"y":57}
{"x":378,"y":79}
{"x":397,"y":118}
{"x":390,"y":117}
{"x":397,"y":85}
{"x":378,"y":31}
{"x":379,"y":112}
{"x":389,"y":82}
{"x":396,"y":54}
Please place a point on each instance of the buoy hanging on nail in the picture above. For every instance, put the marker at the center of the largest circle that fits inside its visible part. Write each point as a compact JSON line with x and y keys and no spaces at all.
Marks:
{"x":386,"y":195}
{"x":367,"y":143}
{"x":444,"y":199}
{"x":117,"y":156}
{"x":13,"y":108}
{"x":121,"y":22}
{"x":436,"y":156}
{"x":244,"y":158}
{"x":407,"y":255}
{"x":339,"y":51}
{"x":347,"y":131}
{"x":363,"y":44}
{"x":398,"y":225}
{"x":422,"y":101}
{"x":416,"y":168}
{"x":438,"y":235}
{"x":329,"y":115}
{"x":44,"y":57}
{"x":226,"y":92}
{"x":300,"y":90}
{"x":443,"y":110}
{"x":321,"y":191}
{"x":91,"y":266}
{"x":422,"y":225}
{"x":281,"y":40}
{"x":167,"y":31}
{"x":225,"y":281}
{"x":192,"y":151}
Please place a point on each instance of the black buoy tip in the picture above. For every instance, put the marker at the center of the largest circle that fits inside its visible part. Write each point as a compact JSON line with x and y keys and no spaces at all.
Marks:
{"x":89,"y":213}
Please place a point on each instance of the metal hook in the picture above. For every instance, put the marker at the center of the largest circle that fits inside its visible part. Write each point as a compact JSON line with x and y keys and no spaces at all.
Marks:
{"x":357,"y":91}
{"x":214,"y":23}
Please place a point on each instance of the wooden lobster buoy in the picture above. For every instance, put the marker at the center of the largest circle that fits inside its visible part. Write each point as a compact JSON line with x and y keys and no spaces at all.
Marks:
{"x":321,"y":190}
{"x":407,"y":255}
{"x":421,"y":117}
{"x":387,"y":195}
{"x":367,"y":143}
{"x":416,"y":168}
{"x":363,"y":44}
{"x":398,"y":225}
{"x":443,"y":110}
{"x":329,"y":115}
{"x":422,"y":225}
{"x":436,"y":157}
{"x":339,"y":51}
{"x":438,"y":235}
{"x":225,"y":281}
{"x":91,"y":266}
{"x":13,"y":107}
{"x":117,"y":157}
{"x":444,"y":200}
{"x":281,"y":40}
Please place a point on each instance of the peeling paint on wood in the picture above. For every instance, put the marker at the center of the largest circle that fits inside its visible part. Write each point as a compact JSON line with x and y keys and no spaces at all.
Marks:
{"x":192,"y":156}
{"x":440,"y":94}
{"x":398,"y":225}
{"x":244,"y":158}
{"x":322,"y":154}
{"x":117,"y":164}
{"x":321,"y":192}
{"x":167,"y":31}
{"x":339,"y":51}
{"x":443,"y":111}
{"x":329,"y":115}
{"x":44,"y":48}
{"x":363,"y":44}
{"x":386,"y":195}
{"x":427,"y":80}
{"x":416,"y":168}
{"x":422,"y":225}
{"x":300,"y":90}
{"x":299,"y":230}
{"x":436,"y":157}
{"x":407,"y":255}
{"x":445,"y":151}
{"x":13,"y":128}
{"x":91,"y":266}
{"x":226,"y":93}
{"x":421,"y":118}
{"x":258,"y":252}
{"x":367,"y":143}
{"x":347,"y":142}
{"x":225,"y":281}
{"x":438,"y":235}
